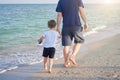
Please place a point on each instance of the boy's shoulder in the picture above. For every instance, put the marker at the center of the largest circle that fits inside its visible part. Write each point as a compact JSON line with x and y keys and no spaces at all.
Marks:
{"x":50,"y":31}
{"x":46,"y":31}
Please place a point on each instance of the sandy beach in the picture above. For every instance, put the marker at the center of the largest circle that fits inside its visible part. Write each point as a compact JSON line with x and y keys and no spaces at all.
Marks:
{"x":101,"y":61}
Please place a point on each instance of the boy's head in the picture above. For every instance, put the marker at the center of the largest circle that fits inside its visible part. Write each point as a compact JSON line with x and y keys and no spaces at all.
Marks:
{"x":51,"y":24}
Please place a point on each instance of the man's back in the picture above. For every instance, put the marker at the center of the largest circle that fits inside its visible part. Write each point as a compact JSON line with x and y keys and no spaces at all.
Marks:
{"x":70,"y":12}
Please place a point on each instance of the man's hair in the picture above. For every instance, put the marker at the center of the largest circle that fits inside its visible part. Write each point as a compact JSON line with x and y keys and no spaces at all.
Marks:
{"x":51,"y":24}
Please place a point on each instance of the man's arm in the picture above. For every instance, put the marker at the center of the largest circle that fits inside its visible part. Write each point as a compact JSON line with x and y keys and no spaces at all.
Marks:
{"x":59,"y":17}
{"x":82,"y":13}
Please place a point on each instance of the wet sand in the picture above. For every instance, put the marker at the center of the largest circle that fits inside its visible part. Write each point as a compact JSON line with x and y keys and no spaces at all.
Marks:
{"x":101,"y":61}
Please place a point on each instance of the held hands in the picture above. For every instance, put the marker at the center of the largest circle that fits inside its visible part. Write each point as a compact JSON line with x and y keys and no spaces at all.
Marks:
{"x":85,"y":27}
{"x":58,"y":30}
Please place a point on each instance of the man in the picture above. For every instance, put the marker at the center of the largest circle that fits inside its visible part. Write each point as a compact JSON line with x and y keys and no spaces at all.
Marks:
{"x":72,"y":27}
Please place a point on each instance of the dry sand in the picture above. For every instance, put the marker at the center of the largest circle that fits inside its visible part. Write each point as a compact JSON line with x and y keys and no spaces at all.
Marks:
{"x":100,"y":62}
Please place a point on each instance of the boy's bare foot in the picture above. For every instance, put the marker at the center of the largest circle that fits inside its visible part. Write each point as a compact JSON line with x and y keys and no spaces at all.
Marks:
{"x":45,"y":70}
{"x":73,"y":61}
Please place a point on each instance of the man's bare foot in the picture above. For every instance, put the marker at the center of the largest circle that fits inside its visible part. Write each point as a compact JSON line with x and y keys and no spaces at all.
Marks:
{"x":73,"y":61}
{"x":50,"y":71}
{"x":67,"y":65}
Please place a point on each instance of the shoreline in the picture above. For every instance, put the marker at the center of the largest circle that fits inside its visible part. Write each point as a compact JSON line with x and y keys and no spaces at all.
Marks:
{"x":93,"y":37}
{"x":24,"y":55}
{"x":95,"y":63}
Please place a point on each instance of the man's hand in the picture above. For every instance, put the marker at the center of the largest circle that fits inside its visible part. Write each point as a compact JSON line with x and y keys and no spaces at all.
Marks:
{"x":85,"y":27}
{"x":83,"y":15}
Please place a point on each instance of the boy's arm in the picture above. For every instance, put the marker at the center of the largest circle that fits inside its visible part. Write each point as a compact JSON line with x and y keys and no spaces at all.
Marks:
{"x":41,"y":38}
{"x":82,"y":13}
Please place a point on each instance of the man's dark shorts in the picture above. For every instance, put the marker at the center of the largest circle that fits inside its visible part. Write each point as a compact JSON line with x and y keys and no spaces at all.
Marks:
{"x":49,"y":52}
{"x":68,"y":33}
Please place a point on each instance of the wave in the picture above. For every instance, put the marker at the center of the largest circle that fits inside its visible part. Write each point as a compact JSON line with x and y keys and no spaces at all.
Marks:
{"x":94,"y":30}
{"x":11,"y":68}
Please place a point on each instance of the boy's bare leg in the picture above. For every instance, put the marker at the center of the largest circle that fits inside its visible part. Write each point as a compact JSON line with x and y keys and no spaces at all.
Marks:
{"x":75,"y":51}
{"x":50,"y":64}
{"x":66,"y":55}
{"x":45,"y":63}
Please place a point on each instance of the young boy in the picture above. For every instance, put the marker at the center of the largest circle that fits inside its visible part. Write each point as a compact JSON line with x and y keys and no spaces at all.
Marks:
{"x":50,"y":37}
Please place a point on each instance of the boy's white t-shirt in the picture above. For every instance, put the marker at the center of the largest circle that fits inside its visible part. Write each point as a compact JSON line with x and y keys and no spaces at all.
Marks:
{"x":50,"y":38}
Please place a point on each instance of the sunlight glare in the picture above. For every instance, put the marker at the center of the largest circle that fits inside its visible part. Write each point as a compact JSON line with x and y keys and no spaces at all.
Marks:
{"x":108,"y":1}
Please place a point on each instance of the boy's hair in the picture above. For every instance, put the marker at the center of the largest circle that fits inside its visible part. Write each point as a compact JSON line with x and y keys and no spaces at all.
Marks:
{"x":51,"y":24}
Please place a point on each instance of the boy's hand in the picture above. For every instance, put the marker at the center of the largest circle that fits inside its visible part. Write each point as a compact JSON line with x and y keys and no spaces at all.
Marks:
{"x":41,"y":38}
{"x":60,"y":36}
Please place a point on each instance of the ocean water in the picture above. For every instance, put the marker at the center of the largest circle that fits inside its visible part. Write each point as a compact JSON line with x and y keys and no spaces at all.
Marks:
{"x":22,"y":24}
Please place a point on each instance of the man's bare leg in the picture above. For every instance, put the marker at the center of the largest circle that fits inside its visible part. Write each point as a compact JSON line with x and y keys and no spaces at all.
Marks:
{"x":45,"y":63}
{"x":75,"y":51}
{"x":66,"y":55}
{"x":50,"y":64}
